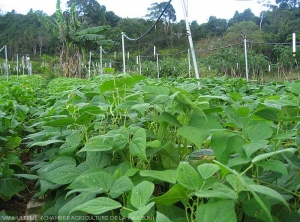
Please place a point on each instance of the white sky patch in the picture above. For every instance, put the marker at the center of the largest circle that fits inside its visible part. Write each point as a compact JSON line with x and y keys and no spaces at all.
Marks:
{"x":198,"y":10}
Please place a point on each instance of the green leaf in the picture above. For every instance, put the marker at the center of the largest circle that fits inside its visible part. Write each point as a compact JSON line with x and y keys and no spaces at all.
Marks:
{"x":221,"y":211}
{"x":224,"y":143}
{"x":141,"y":107}
{"x":120,"y":186}
{"x":94,"y":191}
{"x":91,"y":109}
{"x":210,"y":122}
{"x":207,"y":170}
{"x":85,"y":118}
{"x":175,"y":194}
{"x":238,"y":183}
{"x":137,"y":145}
{"x":259,"y":131}
{"x":97,"y":159}
{"x":239,"y":117}
{"x":154,"y":144}
{"x":269,"y":113}
{"x":21,"y":112}
{"x":13,"y":142}
{"x":60,"y":122}
{"x":254,"y":146}
{"x":97,"y":179}
{"x":141,"y":194}
{"x":188,"y":177}
{"x":64,"y":212}
{"x":169,"y":118}
{"x":137,"y":216}
{"x":27,"y":176}
{"x":161,"y":217}
{"x":166,"y":175}
{"x":253,"y":209}
{"x":97,"y":206}
{"x":267,"y":155}
{"x":194,"y":134}
{"x":98,"y":143}
{"x":121,"y":141}
{"x":10,"y":187}
{"x":268,"y":192}
{"x":218,"y":190}
{"x":45,"y":143}
{"x":274,"y":165}
{"x":235,"y":183}
{"x":62,"y":175}
{"x":295,"y":88}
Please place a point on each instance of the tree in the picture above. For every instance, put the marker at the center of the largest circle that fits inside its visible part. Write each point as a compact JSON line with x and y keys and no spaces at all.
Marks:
{"x":215,"y":26}
{"x":246,"y":16}
{"x":244,"y":30}
{"x":286,"y":4}
{"x":89,"y":10}
{"x":168,"y":16}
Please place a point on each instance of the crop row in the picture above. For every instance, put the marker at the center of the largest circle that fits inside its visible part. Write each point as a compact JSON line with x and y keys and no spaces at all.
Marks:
{"x":162,"y":149}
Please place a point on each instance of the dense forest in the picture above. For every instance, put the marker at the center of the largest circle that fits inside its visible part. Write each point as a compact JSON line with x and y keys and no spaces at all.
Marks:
{"x":87,"y":24}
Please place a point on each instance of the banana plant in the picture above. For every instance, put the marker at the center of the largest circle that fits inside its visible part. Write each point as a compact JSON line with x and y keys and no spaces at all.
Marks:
{"x":72,"y":34}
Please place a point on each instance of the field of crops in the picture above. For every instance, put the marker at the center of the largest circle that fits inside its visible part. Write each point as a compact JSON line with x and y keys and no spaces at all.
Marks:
{"x":129,"y":147}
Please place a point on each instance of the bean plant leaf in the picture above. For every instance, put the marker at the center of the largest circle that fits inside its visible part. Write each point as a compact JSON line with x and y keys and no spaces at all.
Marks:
{"x":137,"y":216}
{"x":194,"y":134}
{"x":295,"y":88}
{"x":224,"y":143}
{"x":161,"y":217}
{"x":97,"y":206}
{"x":220,"y":211}
{"x":239,"y":117}
{"x":210,"y":122}
{"x":46,"y":143}
{"x":188,"y":177}
{"x":94,"y":191}
{"x":137,"y":145}
{"x":254,"y":146}
{"x":96,"y":179}
{"x":13,"y":142}
{"x":266,"y":155}
{"x":175,"y":194}
{"x":120,"y":142}
{"x":141,"y":107}
{"x":254,"y":210}
{"x":169,"y":118}
{"x":218,"y":190}
{"x":235,"y":183}
{"x":120,"y":186}
{"x":270,"y":113}
{"x":268,"y":192}
{"x":62,"y":175}
{"x":207,"y":170}
{"x":80,"y":199}
{"x":165,"y":175}
{"x":274,"y":165}
{"x":85,"y":118}
{"x":98,"y":143}
{"x":97,"y":159}
{"x":259,"y":131}
{"x":11,"y":186}
{"x":238,"y":179}
{"x":141,"y":194}
{"x":60,"y":122}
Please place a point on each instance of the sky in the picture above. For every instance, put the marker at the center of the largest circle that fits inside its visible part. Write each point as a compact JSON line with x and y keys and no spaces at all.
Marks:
{"x":198,"y":10}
